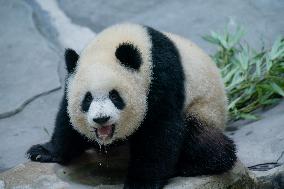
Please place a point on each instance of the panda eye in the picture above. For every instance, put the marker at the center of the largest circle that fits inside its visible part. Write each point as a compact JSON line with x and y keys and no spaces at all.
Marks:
{"x":87,"y":102}
{"x":113,"y":95}
{"x":89,"y":97}
{"x":116,"y":99}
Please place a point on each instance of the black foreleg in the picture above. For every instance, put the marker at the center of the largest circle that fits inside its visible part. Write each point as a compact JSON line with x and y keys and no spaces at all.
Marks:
{"x":154,"y":153}
{"x":65,"y":143}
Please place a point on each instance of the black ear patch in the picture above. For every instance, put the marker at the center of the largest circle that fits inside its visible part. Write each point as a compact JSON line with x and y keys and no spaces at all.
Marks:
{"x":129,"y":55}
{"x":71,"y":58}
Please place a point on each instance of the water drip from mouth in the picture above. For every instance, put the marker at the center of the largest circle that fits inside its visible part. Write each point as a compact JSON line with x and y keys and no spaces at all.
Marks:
{"x":106,"y":157}
{"x":105,"y":148}
{"x":100,"y":146}
{"x":95,"y":169}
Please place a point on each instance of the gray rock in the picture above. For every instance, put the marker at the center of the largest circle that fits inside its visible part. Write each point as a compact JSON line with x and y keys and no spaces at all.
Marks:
{"x":2,"y":184}
{"x":237,"y":178}
{"x":193,"y":19}
{"x":31,"y":126}
{"x":262,"y":141}
{"x":28,"y":65}
{"x":271,"y":179}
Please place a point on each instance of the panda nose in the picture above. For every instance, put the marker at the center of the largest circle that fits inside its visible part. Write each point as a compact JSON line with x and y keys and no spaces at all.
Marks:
{"x":101,"y":120}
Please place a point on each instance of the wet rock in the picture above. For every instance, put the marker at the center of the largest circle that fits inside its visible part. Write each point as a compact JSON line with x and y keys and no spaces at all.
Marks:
{"x":31,"y":176}
{"x":94,"y":170}
{"x":28,"y":64}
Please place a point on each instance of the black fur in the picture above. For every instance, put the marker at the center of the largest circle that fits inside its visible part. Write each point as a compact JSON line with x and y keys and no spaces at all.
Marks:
{"x":71,"y":58}
{"x":116,"y":99}
{"x":128,"y":55}
{"x":156,"y":146}
{"x":206,"y":150}
{"x":65,"y":143}
{"x":87,"y":102}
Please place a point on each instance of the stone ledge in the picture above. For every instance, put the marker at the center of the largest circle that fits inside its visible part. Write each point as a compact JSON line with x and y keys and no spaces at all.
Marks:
{"x":238,"y":178}
{"x":271,"y":179}
{"x":95,"y":171}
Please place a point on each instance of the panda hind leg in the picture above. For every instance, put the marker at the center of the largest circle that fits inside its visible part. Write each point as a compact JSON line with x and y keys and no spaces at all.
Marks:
{"x":206,"y":150}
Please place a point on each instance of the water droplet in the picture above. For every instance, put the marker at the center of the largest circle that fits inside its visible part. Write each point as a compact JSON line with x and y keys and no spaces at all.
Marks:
{"x":105,"y":148}
{"x":106,"y":157}
{"x":100,"y":147}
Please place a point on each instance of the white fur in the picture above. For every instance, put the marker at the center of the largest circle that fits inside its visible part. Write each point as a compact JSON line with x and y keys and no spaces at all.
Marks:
{"x":205,"y":93}
{"x":102,"y":106}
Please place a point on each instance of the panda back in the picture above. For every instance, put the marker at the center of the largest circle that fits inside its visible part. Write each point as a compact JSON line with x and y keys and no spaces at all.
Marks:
{"x":204,"y":88}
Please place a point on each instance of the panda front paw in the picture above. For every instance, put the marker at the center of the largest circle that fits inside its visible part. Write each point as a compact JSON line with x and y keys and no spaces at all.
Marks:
{"x":43,"y":153}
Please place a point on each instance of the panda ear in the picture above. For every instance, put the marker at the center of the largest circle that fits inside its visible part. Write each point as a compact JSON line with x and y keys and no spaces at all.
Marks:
{"x":129,"y":55}
{"x":71,"y":58}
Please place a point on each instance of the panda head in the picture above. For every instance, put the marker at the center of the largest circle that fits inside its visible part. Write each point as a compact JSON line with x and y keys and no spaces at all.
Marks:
{"x":106,"y":91}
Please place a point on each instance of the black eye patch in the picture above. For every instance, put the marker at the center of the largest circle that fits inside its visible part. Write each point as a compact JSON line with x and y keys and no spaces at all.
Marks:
{"x":116,"y":99}
{"x":87,"y":102}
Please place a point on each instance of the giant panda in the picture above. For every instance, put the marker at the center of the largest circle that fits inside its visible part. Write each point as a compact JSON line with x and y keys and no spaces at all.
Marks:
{"x":157,"y":91}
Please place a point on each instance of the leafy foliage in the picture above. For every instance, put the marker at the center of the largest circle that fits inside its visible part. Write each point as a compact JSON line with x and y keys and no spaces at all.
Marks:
{"x":253,"y":79}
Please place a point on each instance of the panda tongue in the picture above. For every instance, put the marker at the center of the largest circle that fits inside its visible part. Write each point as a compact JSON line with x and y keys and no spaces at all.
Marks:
{"x":105,"y":131}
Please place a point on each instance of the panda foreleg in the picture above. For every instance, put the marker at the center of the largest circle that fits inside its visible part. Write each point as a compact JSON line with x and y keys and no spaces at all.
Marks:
{"x":154,"y":153}
{"x":206,"y":150}
{"x":65,"y":143}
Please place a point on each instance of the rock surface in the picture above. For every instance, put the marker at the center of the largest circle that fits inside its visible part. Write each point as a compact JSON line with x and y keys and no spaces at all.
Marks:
{"x":28,"y":64}
{"x":271,"y":179}
{"x":262,"y":141}
{"x":31,"y":63}
{"x":31,"y":126}
{"x":189,"y":18}
{"x":93,"y":170}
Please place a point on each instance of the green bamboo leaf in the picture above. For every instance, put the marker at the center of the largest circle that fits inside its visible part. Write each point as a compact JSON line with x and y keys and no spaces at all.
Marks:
{"x":258,"y":68}
{"x":271,"y":101}
{"x":229,"y":75}
{"x":211,"y":39}
{"x":277,"y":49}
{"x":277,"y":89}
{"x":233,"y":103}
{"x":249,"y":116}
{"x":252,"y":77}
{"x":237,"y":36}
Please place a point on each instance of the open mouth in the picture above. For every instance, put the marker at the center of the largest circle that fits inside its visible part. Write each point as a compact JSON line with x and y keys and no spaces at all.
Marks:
{"x":105,"y":132}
